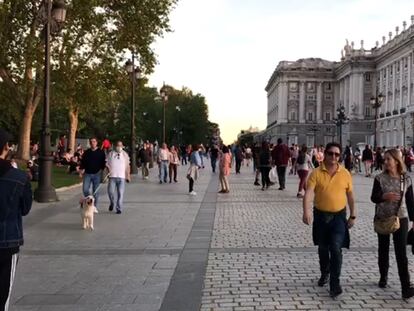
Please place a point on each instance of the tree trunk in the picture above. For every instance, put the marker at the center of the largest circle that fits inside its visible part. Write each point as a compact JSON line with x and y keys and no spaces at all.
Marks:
{"x":74,"y":120}
{"x":24,"y":135}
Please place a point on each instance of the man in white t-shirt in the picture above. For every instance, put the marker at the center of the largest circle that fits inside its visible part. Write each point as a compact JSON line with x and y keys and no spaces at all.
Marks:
{"x":119,"y":172}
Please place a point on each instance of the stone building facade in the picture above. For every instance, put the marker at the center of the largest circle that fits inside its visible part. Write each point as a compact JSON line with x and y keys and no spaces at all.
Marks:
{"x":303,"y":95}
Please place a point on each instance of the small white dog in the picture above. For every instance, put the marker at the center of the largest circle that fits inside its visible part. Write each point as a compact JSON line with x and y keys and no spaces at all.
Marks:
{"x":87,"y":206}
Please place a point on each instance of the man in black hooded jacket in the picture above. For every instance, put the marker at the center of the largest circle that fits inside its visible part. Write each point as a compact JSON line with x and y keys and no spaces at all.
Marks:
{"x":15,"y":202}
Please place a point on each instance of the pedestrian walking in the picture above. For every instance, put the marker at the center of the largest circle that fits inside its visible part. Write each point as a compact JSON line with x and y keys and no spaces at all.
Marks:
{"x":379,"y":159}
{"x":392,"y":194}
{"x":183,"y":149}
{"x":174,"y":161}
{"x":367,"y":159}
{"x":92,"y":163}
{"x":280,"y":158}
{"x":265,"y":165}
{"x":162,"y":159}
{"x":145,"y":157}
{"x":303,"y":165}
{"x":329,"y":189}
{"x":16,"y":201}
{"x":256,"y":163}
{"x":294,"y":153}
{"x":238,"y":155}
{"x":348,"y":158}
{"x":214,"y":153}
{"x":225,"y":165}
{"x":195,"y":165}
{"x":119,"y":172}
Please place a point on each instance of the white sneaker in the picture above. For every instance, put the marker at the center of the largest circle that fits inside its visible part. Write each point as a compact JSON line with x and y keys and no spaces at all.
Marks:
{"x":96,"y":211}
{"x":193,"y":193}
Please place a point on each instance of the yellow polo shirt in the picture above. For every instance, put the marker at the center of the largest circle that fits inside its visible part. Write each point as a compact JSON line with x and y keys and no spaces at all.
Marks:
{"x":330,"y":191}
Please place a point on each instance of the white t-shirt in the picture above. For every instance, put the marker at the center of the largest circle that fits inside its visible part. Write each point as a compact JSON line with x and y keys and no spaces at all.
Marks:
{"x":118,"y":164}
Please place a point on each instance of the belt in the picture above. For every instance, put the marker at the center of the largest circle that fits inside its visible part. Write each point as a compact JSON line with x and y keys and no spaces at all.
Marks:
{"x":329,"y":213}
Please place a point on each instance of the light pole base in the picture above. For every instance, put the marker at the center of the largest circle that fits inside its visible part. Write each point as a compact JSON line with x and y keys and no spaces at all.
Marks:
{"x":45,"y":195}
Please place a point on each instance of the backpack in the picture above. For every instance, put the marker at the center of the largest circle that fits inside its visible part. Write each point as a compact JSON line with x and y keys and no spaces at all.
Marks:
{"x":301,"y":158}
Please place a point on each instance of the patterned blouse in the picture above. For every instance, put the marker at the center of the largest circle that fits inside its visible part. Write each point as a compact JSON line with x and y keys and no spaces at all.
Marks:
{"x":391,"y":184}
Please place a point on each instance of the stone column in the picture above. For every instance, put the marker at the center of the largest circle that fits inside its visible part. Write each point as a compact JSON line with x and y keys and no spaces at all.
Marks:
{"x":409,"y":79}
{"x":319,"y":103}
{"x":284,"y":102}
{"x":387,"y":100}
{"x":401,"y":84}
{"x":301,"y":102}
{"x":394,"y":78}
{"x":361,"y":104}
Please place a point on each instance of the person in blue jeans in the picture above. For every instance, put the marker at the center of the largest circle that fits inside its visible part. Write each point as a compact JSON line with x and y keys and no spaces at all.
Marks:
{"x":119,"y":173}
{"x":163,"y":163}
{"x":92,"y":163}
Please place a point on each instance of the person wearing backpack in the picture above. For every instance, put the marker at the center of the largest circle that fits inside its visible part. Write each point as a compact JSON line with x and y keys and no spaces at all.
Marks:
{"x":303,"y":164}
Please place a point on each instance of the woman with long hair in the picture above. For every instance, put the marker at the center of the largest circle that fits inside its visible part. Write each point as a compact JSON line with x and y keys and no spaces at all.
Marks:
{"x":367,"y":159}
{"x":195,"y":165}
{"x":303,"y":164}
{"x":392,"y":194}
{"x":225,"y":165}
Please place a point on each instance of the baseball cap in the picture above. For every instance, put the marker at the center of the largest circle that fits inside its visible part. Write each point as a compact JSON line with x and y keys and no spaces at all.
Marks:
{"x":5,"y":137}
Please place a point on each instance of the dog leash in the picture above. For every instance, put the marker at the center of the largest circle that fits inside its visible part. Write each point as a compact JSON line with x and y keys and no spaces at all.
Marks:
{"x":99,"y":186}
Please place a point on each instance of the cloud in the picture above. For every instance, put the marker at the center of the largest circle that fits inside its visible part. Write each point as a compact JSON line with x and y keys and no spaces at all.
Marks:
{"x":227,"y":49}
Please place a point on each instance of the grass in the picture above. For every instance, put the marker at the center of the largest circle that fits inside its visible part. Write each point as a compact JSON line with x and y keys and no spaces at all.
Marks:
{"x":61,"y":178}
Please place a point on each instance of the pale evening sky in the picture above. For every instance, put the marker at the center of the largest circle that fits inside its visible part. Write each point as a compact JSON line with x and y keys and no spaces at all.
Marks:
{"x":228,"y":49}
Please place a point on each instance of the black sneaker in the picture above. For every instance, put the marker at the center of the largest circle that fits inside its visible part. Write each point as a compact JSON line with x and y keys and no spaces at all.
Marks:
{"x":256,"y":183}
{"x":323,"y":279}
{"x":111,"y":208}
{"x":118,"y":211}
{"x":335,"y":291}
{"x":408,"y":292}
{"x":382,"y":282}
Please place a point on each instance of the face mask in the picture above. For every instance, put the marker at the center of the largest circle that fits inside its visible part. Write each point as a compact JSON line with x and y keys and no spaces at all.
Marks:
{"x":118,"y":149}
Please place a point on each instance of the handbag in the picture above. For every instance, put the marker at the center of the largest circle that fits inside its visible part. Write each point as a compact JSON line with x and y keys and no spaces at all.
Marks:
{"x":390,"y":224}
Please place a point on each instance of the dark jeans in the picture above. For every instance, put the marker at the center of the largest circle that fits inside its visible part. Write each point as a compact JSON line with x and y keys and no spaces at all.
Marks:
{"x":281,"y":174}
{"x":265,"y":176}
{"x":400,"y":247}
{"x":238,"y":165}
{"x":191,"y":184}
{"x":331,"y":231}
{"x":213,"y":163}
{"x":172,"y":172}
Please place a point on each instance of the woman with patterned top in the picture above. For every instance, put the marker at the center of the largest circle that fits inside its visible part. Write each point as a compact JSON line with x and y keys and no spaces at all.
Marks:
{"x":393,"y":195}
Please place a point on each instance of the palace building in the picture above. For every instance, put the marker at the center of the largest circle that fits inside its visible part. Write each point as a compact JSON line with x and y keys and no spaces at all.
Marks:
{"x":303,"y":96}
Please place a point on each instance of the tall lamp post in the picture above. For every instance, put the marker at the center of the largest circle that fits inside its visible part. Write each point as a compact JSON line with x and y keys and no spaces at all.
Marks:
{"x":54,"y":18}
{"x":164,"y":97}
{"x":376,"y":102}
{"x":340,"y":120}
{"x":134,"y":73}
{"x":178,"y":109}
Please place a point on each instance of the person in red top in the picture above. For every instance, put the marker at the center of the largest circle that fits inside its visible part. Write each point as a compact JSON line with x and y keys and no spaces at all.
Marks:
{"x":280,"y":159}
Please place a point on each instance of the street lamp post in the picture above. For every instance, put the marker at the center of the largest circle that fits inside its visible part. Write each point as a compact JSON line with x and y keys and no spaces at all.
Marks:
{"x":54,"y":19}
{"x":340,"y":120}
{"x":134,"y":73}
{"x":376,"y":103}
{"x":178,"y":109}
{"x":164,"y":97}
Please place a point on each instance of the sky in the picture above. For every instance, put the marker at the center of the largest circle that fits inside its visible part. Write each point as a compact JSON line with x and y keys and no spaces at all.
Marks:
{"x":227,"y":50}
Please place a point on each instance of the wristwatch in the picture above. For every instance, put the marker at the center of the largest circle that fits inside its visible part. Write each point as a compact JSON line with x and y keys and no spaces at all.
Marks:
{"x":352,"y":217}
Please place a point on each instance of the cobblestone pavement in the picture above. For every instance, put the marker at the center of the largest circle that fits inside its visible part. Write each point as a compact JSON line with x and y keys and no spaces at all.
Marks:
{"x":262,"y":256}
{"x":246,"y":250}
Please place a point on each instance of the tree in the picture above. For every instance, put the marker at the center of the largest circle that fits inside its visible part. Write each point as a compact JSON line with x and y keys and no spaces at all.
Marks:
{"x":96,"y":32}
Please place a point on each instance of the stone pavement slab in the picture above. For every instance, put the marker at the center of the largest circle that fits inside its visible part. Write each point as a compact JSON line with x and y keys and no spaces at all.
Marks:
{"x":125,"y":264}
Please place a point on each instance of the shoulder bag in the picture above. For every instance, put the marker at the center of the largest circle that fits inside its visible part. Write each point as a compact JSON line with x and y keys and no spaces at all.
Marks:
{"x":390,"y":224}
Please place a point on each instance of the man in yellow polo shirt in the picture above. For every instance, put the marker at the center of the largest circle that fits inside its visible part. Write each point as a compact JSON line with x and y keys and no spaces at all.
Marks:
{"x":329,"y":189}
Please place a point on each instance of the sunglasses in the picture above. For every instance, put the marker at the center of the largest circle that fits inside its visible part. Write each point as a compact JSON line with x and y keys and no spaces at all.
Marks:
{"x":331,"y":153}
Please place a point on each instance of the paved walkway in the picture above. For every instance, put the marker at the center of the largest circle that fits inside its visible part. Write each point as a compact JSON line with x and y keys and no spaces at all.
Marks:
{"x":247,"y":250}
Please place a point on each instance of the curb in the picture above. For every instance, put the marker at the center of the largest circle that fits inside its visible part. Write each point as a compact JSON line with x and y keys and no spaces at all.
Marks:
{"x":62,"y":189}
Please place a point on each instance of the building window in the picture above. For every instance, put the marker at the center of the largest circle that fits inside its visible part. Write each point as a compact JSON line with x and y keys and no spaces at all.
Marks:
{"x":367,"y":77}
{"x":328,"y":86}
{"x":293,"y":86}
{"x":367,"y":111}
{"x":310,"y":116}
{"x":293,"y":115}
{"x":327,"y":116}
